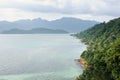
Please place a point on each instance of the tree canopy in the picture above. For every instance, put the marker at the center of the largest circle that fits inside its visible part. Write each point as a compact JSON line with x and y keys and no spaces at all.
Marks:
{"x":103,"y":52}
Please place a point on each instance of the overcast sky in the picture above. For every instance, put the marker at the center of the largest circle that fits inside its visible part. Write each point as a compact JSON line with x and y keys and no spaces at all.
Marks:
{"x":100,"y":10}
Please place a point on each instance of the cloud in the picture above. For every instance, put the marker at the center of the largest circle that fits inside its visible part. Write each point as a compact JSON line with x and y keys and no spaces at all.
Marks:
{"x":64,"y":7}
{"x":11,"y":14}
{"x":94,"y":7}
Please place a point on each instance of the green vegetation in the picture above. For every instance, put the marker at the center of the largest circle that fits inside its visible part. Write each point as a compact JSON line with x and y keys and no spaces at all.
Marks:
{"x":103,"y":52}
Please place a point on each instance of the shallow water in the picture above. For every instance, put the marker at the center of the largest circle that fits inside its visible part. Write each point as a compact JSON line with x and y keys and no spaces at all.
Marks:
{"x":39,"y":57}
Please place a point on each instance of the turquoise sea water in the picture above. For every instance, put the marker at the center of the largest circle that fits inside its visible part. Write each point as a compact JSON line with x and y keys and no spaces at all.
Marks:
{"x":39,"y":57}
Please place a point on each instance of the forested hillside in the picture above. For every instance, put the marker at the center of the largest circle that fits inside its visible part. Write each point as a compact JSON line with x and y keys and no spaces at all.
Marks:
{"x":103,"y":52}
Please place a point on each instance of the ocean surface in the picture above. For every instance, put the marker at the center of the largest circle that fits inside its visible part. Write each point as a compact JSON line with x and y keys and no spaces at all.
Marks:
{"x":40,"y":57}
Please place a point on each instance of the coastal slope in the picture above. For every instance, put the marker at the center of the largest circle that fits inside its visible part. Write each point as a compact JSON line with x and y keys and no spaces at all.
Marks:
{"x":103,"y":52}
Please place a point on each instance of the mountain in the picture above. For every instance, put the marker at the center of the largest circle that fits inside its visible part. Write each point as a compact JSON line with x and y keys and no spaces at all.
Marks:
{"x":34,"y":31}
{"x":66,"y":23}
{"x":103,"y":52}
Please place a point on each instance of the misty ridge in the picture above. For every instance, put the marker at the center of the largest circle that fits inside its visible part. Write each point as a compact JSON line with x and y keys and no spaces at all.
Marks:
{"x":38,"y":25}
{"x":35,"y":31}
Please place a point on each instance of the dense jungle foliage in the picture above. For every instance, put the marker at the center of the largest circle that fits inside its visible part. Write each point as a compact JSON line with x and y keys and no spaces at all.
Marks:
{"x":103,"y":52}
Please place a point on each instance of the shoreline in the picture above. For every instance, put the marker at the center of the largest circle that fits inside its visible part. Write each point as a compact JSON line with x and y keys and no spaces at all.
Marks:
{"x":82,"y":61}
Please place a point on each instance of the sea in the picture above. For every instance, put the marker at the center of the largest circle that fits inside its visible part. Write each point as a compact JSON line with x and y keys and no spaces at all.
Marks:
{"x":40,"y":57}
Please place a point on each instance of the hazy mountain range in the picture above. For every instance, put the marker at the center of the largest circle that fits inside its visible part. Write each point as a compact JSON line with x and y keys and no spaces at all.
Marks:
{"x":67,"y":24}
{"x":35,"y":31}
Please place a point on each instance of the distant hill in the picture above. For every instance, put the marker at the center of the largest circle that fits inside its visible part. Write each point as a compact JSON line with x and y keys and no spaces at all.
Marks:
{"x":34,"y":31}
{"x":66,"y":23}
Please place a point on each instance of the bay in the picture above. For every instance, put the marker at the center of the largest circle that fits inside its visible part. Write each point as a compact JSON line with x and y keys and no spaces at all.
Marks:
{"x":39,"y":57}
